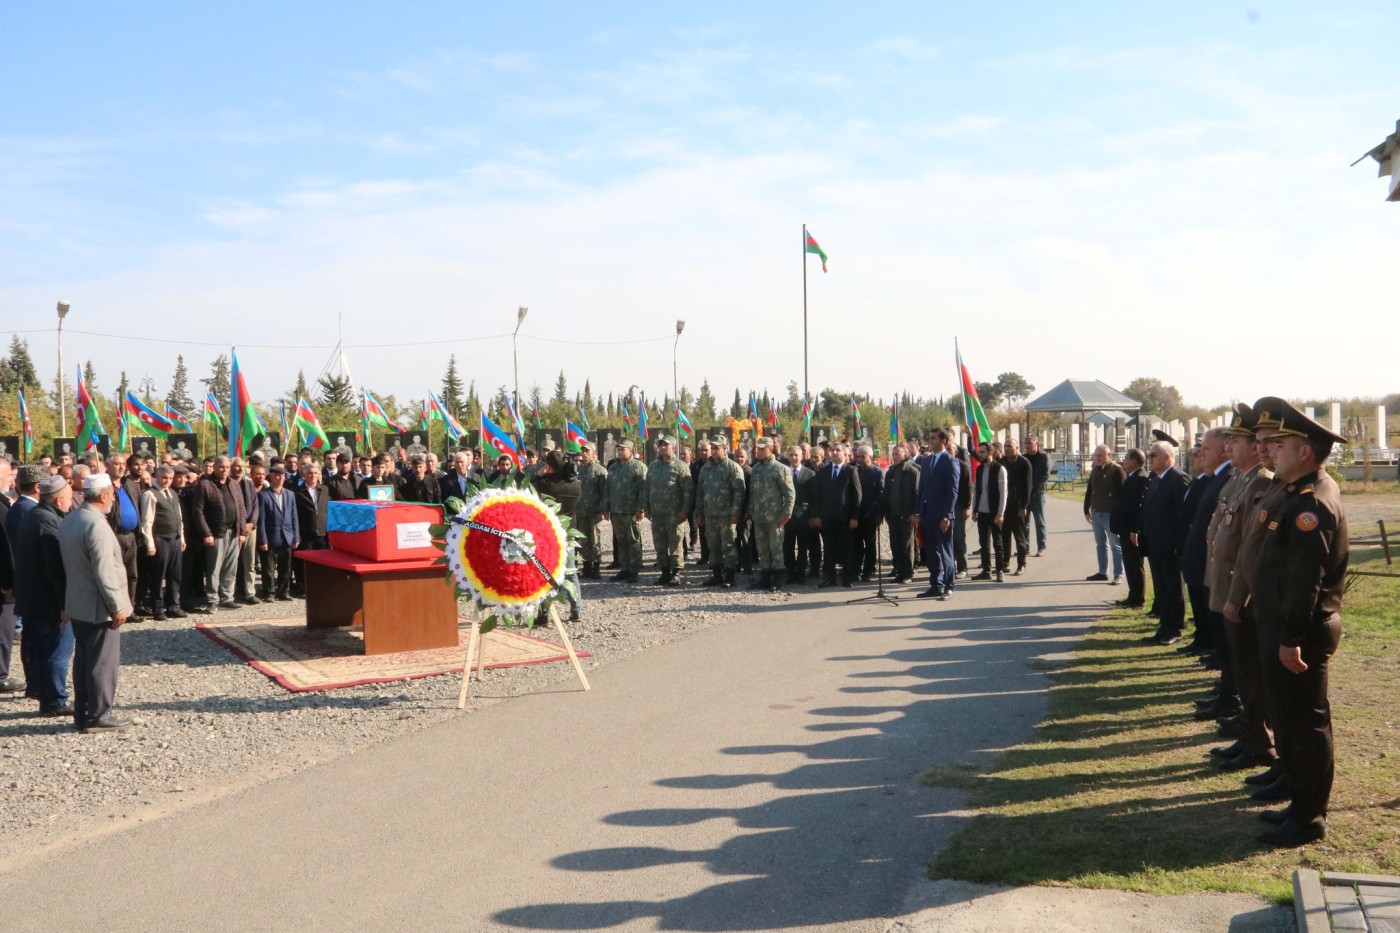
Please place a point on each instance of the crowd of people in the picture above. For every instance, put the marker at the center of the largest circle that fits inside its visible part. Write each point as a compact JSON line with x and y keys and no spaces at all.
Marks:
{"x":1254,"y":535}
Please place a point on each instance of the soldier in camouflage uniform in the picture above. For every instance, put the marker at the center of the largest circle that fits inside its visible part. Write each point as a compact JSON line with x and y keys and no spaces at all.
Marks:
{"x":719,"y":502}
{"x":592,"y":509}
{"x":771,"y":499}
{"x":627,"y":498}
{"x":669,"y":501}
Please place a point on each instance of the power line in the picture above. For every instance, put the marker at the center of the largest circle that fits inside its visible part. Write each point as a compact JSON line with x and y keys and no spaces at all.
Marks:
{"x":332,"y":346}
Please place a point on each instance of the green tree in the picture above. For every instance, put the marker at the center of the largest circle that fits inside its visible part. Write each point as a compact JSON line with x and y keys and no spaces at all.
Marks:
{"x":737,"y":409}
{"x":90,"y":377}
{"x":336,"y":391}
{"x":301,"y":390}
{"x":218,"y":381}
{"x":179,"y":395}
{"x":17,"y":370}
{"x":451,"y":395}
{"x":1014,"y":388}
{"x":705,"y":407}
{"x":1164,"y":401}
{"x":561,"y":389}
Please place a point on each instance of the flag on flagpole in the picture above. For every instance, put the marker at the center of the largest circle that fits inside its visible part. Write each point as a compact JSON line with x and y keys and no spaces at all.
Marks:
{"x":683,"y":425}
{"x":177,"y":419}
{"x":894,"y":421}
{"x":855,"y":413}
{"x":286,"y":429}
{"x":26,"y":426}
{"x":773,"y":413}
{"x":538,"y":422}
{"x":574,"y":437}
{"x":89,"y":424}
{"x":513,"y":409}
{"x":151,"y":422}
{"x":813,"y":247}
{"x":499,"y":441}
{"x":806,"y":417}
{"x":213,"y":416}
{"x":978,"y":427}
{"x":642,"y":418}
{"x":376,"y":414}
{"x":626,"y":417}
{"x":362,"y":432}
{"x":244,"y":425}
{"x":309,"y":427}
{"x":583,"y":417}
{"x":123,"y":432}
{"x":438,"y":412}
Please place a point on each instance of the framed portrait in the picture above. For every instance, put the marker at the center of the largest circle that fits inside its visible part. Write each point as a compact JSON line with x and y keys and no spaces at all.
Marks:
{"x":342,"y":442}
{"x":378,"y":493}
{"x":10,"y":448}
{"x":184,"y":446}
{"x":545,"y":438}
{"x":605,"y":443}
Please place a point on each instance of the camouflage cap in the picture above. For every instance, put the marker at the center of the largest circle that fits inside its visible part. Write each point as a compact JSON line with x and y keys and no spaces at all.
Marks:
{"x":587,"y":445}
{"x":665,"y":439}
{"x":764,"y":442}
{"x":626,"y":444}
{"x":720,"y":440}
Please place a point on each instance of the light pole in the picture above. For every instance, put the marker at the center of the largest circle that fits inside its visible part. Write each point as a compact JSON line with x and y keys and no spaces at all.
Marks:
{"x":675,"y":382}
{"x":519,"y":319}
{"x":62,"y":393}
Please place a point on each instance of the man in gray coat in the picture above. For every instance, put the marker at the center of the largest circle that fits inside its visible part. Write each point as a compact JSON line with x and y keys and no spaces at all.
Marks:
{"x":97,"y":603}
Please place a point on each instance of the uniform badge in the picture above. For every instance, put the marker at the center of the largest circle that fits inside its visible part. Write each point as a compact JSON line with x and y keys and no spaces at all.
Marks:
{"x":1263,"y":516}
{"x":1306,"y":521}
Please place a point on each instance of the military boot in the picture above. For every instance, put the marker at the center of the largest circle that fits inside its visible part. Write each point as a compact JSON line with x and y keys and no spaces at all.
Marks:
{"x":716,"y":576}
{"x":774,"y":583}
{"x":762,"y":582}
{"x":727,"y":577}
{"x":667,"y":575}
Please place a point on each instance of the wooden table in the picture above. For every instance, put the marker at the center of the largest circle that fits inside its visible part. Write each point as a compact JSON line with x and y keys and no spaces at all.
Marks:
{"x":405,"y":605}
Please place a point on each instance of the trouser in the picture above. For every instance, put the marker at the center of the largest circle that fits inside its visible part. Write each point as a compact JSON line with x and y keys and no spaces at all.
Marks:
{"x":1242,"y":642}
{"x":627,"y":541}
{"x":220,"y":567}
{"x":719,"y":532}
{"x":938,"y":553}
{"x":863,"y":546}
{"x":811,"y":544}
{"x":1132,"y":569}
{"x":1105,"y":543}
{"x":127,"y":542}
{"x":7,"y":637}
{"x":837,"y":549}
{"x":666,"y":537}
{"x":1035,"y":509}
{"x":744,"y":546}
{"x":959,"y":543}
{"x":277,"y":571}
{"x":1166,"y":593}
{"x":1302,"y":715}
{"x":1200,"y":611}
{"x":591,"y":546}
{"x":901,"y":548}
{"x":299,"y":567}
{"x":247,"y":582}
{"x":45,"y":651}
{"x":192,"y":571}
{"x":795,"y":547}
{"x":990,"y":543}
{"x":97,"y":653}
{"x":163,"y":583}
{"x":692,"y":534}
{"x":1015,"y":531}
{"x":768,"y":546}
{"x":147,"y":574}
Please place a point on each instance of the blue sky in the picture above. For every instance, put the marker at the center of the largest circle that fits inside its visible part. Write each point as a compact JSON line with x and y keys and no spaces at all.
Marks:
{"x":1078,"y":190}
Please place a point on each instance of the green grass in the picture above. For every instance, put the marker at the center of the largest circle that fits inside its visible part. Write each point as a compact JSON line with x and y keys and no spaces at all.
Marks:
{"x":1116,"y":790}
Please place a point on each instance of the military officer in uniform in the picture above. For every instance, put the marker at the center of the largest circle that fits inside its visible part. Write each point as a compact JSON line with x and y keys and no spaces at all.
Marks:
{"x":669,"y":501}
{"x":627,"y":498}
{"x":592,"y":509}
{"x":1300,"y":575}
{"x":719,"y":503}
{"x":772,"y":497}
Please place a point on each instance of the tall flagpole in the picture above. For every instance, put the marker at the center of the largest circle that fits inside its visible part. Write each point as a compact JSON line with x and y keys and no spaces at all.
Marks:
{"x":957,"y":365}
{"x":806,"y":391}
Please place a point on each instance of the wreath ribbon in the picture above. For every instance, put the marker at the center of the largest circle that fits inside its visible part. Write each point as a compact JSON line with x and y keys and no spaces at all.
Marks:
{"x":507,"y":536}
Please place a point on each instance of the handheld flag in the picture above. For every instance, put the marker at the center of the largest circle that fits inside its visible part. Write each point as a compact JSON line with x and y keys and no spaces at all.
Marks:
{"x":855,"y":414}
{"x":813,"y":247}
{"x":26,"y":425}
{"x":177,"y":419}
{"x":423,"y":416}
{"x":243,"y":422}
{"x":136,"y":412}
{"x":499,"y":441}
{"x":977,"y":424}
{"x":626,"y":417}
{"x":438,"y":412}
{"x":683,"y":425}
{"x":894,"y":421}
{"x":574,"y":437}
{"x":286,"y":430}
{"x":642,"y":417}
{"x":123,"y":434}
{"x":806,"y":417}
{"x":583,"y":417}
{"x":375,"y":413}
{"x":773,"y":413}
{"x":514,"y":413}
{"x":309,"y":426}
{"x":213,"y":416}
{"x":89,"y":424}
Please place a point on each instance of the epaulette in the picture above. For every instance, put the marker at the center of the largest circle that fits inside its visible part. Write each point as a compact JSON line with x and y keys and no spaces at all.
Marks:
{"x":1305,"y":490}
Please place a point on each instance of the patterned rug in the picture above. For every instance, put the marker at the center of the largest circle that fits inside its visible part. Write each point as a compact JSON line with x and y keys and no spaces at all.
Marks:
{"x":303,"y":659}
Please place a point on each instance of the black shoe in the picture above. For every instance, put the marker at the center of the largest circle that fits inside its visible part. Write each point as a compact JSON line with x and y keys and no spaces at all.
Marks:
{"x":1154,"y":637}
{"x":1265,"y":778}
{"x":665,"y":578}
{"x":1230,"y":751}
{"x":1221,"y":708}
{"x":1282,"y":789}
{"x":1191,"y":647}
{"x":824,"y":582}
{"x":1246,"y":759}
{"x":1290,"y":834}
{"x":931,"y":592}
{"x":1231,"y":728}
{"x":727,"y":579}
{"x":176,"y":613}
{"x":613,"y":566}
{"x":984,"y":575}
{"x":107,"y":723}
{"x":228,"y":604}
{"x":200,"y":610}
{"x":159,"y":617}
{"x":1096,"y":578}
{"x":1128,"y":603}
{"x":703,"y":562}
{"x":284,"y":598}
{"x":1277,"y":817}
{"x":847,"y":582}
{"x":250,"y":600}
{"x":10,"y":685}
{"x":55,"y":711}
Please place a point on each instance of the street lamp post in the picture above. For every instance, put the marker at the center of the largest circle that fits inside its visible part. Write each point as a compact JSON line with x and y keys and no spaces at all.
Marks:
{"x":62,"y":393}
{"x":675,"y":368}
{"x":519,"y":319}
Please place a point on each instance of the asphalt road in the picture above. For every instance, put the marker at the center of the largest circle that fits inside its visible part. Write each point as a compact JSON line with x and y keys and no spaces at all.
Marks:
{"x":761,"y":775}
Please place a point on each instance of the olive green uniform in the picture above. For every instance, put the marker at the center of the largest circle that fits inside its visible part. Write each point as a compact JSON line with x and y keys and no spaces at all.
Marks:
{"x":669,"y":499}
{"x":771,"y":499}
{"x":592,"y":502}
{"x":627,"y":495}
{"x":719,"y":498}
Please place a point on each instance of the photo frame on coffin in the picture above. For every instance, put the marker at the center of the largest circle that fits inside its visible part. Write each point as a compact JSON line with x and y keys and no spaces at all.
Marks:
{"x":184,"y":446}
{"x":10,"y":448}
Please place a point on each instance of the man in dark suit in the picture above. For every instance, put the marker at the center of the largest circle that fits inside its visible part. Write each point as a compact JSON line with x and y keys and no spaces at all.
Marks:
{"x":1161,"y":516}
{"x":798,"y":528}
{"x":420,"y":485}
{"x":460,"y":476}
{"x":1126,"y":523}
{"x":311,"y":519}
{"x":872,"y":496}
{"x":835,"y":514}
{"x":901,"y":503}
{"x":1020,"y":482}
{"x":1213,"y":468}
{"x":938,"y":500}
{"x":279,"y":533}
{"x":47,"y":647}
{"x":962,"y":513}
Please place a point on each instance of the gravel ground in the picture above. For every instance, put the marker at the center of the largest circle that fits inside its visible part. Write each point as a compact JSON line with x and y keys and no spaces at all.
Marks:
{"x":206,"y":723}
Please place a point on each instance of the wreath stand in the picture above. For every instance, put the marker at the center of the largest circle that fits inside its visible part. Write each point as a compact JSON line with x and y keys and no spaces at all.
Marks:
{"x":474,"y":655}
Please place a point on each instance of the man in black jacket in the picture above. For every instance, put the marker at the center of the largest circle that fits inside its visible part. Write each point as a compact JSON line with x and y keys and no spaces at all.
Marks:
{"x":1215,"y":470}
{"x":1020,"y":478}
{"x":1126,"y":523}
{"x":900,"y":503}
{"x":420,"y":485}
{"x":835,"y":510}
{"x":1161,"y":515}
{"x":872,"y":496}
{"x":47,"y":647}
{"x":798,"y":529}
{"x":218,"y":519}
{"x":1040,"y":478}
{"x":311,"y":501}
{"x":343,"y":484}
{"x":460,"y":477}
{"x":382,"y":473}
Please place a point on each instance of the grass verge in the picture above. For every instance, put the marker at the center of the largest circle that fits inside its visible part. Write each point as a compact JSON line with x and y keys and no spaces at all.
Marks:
{"x":1117,"y":790}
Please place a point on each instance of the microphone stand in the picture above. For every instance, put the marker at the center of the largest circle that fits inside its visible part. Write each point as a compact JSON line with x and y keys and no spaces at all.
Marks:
{"x":879,"y":595}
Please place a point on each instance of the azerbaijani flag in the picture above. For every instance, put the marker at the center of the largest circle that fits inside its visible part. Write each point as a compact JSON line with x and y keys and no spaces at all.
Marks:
{"x":642,"y":417}
{"x":574,"y":437}
{"x":499,"y":441}
{"x":538,"y":422}
{"x":376,"y":414}
{"x":814,"y":247}
{"x":626,"y":417}
{"x":894,"y":421}
{"x":514,"y":411}
{"x":151,"y":422}
{"x":855,"y":413}
{"x":212,"y":414}
{"x":286,"y":430}
{"x":310,"y":426}
{"x":683,"y":425}
{"x":806,"y":417}
{"x":177,"y":419}
{"x":243,"y":422}
{"x":423,"y":416}
{"x":773,"y":413}
{"x":438,"y":412}
{"x":123,"y":435}
{"x":26,"y":425}
{"x":89,"y":424}
{"x":583,"y":416}
{"x":977,"y":424}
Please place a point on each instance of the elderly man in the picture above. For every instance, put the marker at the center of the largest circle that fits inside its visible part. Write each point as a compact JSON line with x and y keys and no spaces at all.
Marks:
{"x":40,"y":589}
{"x":97,"y":603}
{"x":279,"y":533}
{"x":125,"y":518}
{"x":163,"y":537}
{"x":1161,"y":517}
{"x":218,"y":514}
{"x":248,"y":480}
{"x":872,"y":497}
{"x":901,"y":503}
{"x":312,"y":502}
{"x":1040,"y":479}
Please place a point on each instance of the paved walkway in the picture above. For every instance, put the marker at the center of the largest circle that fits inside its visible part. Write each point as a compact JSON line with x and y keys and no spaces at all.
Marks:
{"x":760,"y":775}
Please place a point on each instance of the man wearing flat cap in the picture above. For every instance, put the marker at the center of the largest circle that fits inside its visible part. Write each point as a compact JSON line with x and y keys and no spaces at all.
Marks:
{"x":1300,"y":575}
{"x":669,"y":501}
{"x":97,"y":603}
{"x":719,"y":504}
{"x":627,"y":499}
{"x":40,"y":588}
